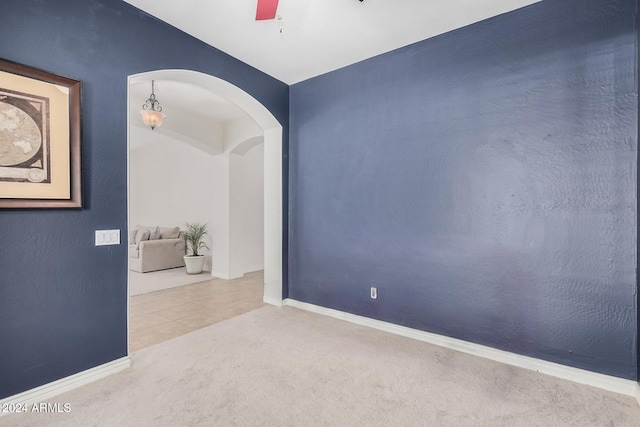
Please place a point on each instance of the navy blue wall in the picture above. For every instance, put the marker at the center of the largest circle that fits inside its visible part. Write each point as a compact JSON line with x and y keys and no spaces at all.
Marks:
{"x":484,"y":181}
{"x":63,"y":300}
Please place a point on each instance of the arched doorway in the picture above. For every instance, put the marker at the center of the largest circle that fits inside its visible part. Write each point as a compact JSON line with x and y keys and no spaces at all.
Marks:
{"x":272,"y":137}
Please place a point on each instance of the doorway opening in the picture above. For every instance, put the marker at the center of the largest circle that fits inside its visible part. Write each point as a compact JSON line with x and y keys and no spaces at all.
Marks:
{"x":256,"y":126}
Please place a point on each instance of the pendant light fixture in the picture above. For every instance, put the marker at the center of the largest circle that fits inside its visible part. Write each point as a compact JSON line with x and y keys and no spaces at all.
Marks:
{"x":151,"y":112}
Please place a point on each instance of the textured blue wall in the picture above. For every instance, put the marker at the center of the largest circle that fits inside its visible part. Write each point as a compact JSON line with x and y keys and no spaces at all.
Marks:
{"x":63,"y":300}
{"x":484,"y":181}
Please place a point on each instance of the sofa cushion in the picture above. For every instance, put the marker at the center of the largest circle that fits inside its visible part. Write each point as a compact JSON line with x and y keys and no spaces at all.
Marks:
{"x":142,"y":235}
{"x":169,"y":232}
{"x":154,"y":234}
{"x":145,"y":227}
{"x":132,"y":235}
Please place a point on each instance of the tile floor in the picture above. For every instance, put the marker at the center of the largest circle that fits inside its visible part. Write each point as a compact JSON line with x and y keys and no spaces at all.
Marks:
{"x":162,"y":315}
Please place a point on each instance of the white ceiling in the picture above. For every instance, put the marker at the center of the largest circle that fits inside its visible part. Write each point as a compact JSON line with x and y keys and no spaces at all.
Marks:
{"x":319,"y":36}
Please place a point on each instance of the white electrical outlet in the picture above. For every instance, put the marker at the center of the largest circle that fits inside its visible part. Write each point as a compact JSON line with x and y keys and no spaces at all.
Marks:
{"x":374,"y":293}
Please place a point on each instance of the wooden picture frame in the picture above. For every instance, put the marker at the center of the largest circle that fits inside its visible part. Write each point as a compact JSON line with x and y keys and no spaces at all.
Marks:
{"x":40,"y":165}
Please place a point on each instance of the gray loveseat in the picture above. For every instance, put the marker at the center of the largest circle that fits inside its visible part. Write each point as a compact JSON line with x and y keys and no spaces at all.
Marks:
{"x":155,"y":248}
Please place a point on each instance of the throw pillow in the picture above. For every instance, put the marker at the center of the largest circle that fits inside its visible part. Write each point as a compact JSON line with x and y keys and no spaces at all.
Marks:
{"x":142,"y":236}
{"x":155,"y":234}
{"x":169,"y":232}
{"x":132,"y":235}
{"x":144,"y":227}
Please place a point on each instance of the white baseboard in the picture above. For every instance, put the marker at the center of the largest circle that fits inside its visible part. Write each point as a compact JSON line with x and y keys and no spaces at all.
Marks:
{"x":273,"y":301}
{"x":605,"y":382}
{"x":253,"y":268}
{"x":225,"y":276}
{"x":234,"y":275}
{"x":47,"y":391}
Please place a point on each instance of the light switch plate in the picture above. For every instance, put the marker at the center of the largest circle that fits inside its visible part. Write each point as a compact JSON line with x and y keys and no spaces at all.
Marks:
{"x":107,"y":237}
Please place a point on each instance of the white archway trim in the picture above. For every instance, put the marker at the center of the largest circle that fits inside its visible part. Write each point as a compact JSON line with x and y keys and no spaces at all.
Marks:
{"x":234,"y":94}
{"x":273,"y":216}
{"x":243,"y":146}
{"x":272,"y":165}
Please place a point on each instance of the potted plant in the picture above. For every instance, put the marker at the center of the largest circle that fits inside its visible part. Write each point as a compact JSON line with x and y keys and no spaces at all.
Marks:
{"x":193,"y":237}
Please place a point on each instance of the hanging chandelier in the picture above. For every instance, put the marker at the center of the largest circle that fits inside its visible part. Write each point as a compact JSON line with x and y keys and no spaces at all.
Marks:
{"x":151,"y":112}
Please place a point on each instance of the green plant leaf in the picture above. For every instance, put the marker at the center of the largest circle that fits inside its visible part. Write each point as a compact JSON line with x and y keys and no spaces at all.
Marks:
{"x":193,"y":236}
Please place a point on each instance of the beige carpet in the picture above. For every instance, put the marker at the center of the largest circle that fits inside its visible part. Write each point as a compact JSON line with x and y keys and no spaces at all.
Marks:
{"x":285,"y":367}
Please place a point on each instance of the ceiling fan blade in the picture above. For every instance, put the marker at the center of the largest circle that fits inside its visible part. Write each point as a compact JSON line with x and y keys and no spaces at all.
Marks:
{"x":266,"y":10}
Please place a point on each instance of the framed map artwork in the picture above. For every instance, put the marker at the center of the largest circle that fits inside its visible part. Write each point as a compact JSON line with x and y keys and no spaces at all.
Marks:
{"x":39,"y":139}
